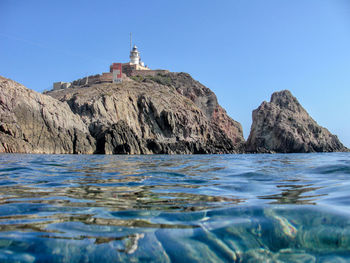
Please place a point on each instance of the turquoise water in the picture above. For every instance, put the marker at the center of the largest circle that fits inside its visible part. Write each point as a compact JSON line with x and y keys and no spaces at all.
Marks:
{"x":200,"y":208}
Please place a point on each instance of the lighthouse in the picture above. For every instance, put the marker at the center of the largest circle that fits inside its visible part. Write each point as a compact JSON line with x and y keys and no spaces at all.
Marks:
{"x":135,"y":56}
{"x":135,"y":59}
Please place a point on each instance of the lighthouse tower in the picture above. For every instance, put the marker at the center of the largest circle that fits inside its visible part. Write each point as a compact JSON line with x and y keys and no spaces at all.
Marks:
{"x":135,"y":56}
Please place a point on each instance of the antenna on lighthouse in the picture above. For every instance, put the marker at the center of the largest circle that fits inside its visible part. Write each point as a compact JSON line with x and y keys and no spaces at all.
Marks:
{"x":130,"y":41}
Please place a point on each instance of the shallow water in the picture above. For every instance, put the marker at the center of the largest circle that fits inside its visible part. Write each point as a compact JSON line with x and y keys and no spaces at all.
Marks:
{"x":180,"y":208}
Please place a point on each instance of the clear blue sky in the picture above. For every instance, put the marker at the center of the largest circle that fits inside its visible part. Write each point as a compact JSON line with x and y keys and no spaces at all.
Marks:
{"x":241,"y":49}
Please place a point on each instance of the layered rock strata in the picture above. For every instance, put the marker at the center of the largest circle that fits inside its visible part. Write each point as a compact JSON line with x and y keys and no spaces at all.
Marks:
{"x":283,"y":125}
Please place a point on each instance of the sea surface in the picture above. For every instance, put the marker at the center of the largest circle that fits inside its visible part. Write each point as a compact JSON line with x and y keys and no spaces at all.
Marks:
{"x":175,"y":208}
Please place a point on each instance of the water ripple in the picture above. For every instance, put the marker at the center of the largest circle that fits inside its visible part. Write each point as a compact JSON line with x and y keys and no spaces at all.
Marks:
{"x":205,"y":208}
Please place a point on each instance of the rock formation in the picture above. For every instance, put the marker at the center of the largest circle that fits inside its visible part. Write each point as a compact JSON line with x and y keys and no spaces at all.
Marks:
{"x":167,"y":113}
{"x":160,"y":113}
{"x":282,"y":125}
{"x":34,"y":123}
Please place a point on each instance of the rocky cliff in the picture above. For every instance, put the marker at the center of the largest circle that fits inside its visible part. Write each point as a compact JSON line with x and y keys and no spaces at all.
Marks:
{"x":168,"y":113}
{"x":34,"y":123}
{"x":283,"y":125}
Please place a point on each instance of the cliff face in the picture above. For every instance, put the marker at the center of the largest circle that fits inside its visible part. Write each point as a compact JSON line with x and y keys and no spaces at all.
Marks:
{"x":34,"y":123}
{"x":168,"y":113}
{"x":206,"y":100}
{"x":283,"y":125}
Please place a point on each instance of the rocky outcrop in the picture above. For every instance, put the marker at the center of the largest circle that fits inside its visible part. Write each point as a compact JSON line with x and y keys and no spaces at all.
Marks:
{"x":165,"y":113}
{"x":34,"y":123}
{"x":282,"y":125}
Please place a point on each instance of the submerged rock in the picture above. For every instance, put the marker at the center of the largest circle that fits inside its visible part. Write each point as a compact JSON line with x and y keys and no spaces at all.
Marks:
{"x":283,"y":125}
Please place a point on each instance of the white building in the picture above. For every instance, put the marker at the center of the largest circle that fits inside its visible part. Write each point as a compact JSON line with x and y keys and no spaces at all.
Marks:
{"x":135,"y":56}
{"x":135,"y":59}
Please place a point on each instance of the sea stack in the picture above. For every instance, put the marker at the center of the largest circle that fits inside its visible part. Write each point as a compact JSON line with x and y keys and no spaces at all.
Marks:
{"x":283,"y":125}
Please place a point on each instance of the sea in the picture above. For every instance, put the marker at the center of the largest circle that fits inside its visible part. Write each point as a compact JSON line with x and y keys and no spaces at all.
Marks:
{"x":175,"y":208}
